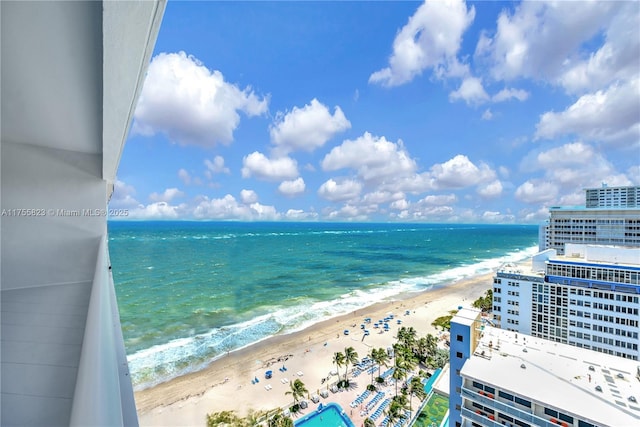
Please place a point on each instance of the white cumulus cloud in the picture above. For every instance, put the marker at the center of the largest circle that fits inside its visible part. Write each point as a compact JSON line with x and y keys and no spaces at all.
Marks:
{"x":167,"y":196}
{"x":341,"y":190}
{"x":157,"y":210}
{"x":228,"y":207}
{"x":611,"y":115}
{"x":190,"y":104}
{"x":431,"y":39}
{"x":373,"y":158}
{"x":258,"y":165}
{"x":292,"y":188}
{"x":537,"y":38}
{"x":460,"y":172}
{"x":536,"y":191}
{"x":470,"y":91}
{"x":248,"y":196}
{"x":216,"y":166}
{"x":509,"y":93}
{"x":307,"y":128}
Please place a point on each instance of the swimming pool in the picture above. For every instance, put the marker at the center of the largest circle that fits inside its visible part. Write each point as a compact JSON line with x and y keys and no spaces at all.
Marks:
{"x":330,"y":415}
{"x":429,"y":384}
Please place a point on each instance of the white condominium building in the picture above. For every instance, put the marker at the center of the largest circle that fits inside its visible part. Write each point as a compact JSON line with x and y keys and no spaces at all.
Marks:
{"x":613,"y":197}
{"x":611,"y":216}
{"x":589,"y":298}
{"x":512,"y":379}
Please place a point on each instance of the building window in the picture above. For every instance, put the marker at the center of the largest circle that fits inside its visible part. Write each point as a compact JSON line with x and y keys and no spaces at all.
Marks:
{"x":459,"y":355}
{"x":459,"y":338}
{"x":550,"y":412}
{"x":504,"y":395}
{"x":523,"y":402}
{"x":565,"y":417}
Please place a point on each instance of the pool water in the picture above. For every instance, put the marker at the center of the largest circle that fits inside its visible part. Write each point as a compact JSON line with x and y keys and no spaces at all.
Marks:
{"x":330,"y":415}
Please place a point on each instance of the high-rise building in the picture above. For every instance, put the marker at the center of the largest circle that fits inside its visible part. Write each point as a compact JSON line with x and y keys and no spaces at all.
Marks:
{"x":613,"y":197}
{"x":509,"y":378}
{"x":610,"y":216}
{"x":589,"y":298}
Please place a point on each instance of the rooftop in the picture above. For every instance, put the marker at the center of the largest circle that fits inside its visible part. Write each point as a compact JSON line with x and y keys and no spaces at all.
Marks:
{"x":588,"y":209}
{"x":596,"y":386}
{"x":600,"y":254}
{"x":467,"y":316}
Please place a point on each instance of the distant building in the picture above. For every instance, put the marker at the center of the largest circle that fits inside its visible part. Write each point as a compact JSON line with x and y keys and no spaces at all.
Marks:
{"x":507,"y":378}
{"x":610,"y":216}
{"x":613,"y":197}
{"x":589,"y":298}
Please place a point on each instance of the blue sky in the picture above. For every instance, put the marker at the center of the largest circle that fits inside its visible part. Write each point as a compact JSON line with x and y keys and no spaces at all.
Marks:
{"x":440,"y":111}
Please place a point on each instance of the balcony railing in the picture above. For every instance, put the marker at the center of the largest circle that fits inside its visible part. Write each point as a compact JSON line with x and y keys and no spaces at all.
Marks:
{"x":506,"y":409}
{"x":103,"y":394}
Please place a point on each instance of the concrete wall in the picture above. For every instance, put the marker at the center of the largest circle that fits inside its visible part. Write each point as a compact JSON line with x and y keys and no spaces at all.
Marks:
{"x":56,"y":242}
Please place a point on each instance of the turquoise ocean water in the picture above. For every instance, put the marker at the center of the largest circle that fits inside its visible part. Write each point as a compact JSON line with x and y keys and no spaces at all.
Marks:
{"x":188,"y":292}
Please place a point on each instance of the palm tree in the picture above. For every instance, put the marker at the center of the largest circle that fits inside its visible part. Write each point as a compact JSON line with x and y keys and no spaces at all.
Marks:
{"x":338,"y":359}
{"x":368,"y":422}
{"x":432,"y":343}
{"x":394,"y":411}
{"x":280,"y":420}
{"x":402,"y":404}
{"x":415,"y":388}
{"x":298,"y":390}
{"x":407,"y":336}
{"x":399,"y":372}
{"x":372,"y":356}
{"x":381,"y":358}
{"x":350,"y":356}
{"x":253,"y":418}
{"x":223,"y":418}
{"x":441,"y":358}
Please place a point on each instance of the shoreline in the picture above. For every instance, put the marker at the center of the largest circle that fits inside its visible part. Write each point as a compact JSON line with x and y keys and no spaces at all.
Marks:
{"x":226,"y":383}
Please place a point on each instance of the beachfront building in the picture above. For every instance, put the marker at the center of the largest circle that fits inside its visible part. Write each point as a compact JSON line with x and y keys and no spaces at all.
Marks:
{"x":512,"y":282}
{"x":589,"y":298}
{"x":610,"y":216}
{"x":464,"y":338}
{"x":514,"y":379}
{"x":71,"y":74}
{"x":613,"y":197}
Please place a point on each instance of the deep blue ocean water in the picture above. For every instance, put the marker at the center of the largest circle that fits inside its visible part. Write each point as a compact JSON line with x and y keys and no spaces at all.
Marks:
{"x":188,"y":292}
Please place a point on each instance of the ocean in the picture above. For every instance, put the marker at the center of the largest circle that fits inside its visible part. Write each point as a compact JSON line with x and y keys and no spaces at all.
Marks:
{"x":188,"y":292}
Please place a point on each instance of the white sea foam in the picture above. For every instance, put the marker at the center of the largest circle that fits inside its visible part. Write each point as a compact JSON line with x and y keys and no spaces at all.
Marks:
{"x":179,"y":356}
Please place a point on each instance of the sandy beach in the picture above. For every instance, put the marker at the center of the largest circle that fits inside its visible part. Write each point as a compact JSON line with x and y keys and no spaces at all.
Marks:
{"x":226,"y":384}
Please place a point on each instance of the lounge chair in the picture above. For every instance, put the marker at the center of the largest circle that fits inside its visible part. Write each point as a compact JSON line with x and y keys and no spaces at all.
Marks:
{"x":300,"y":373}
